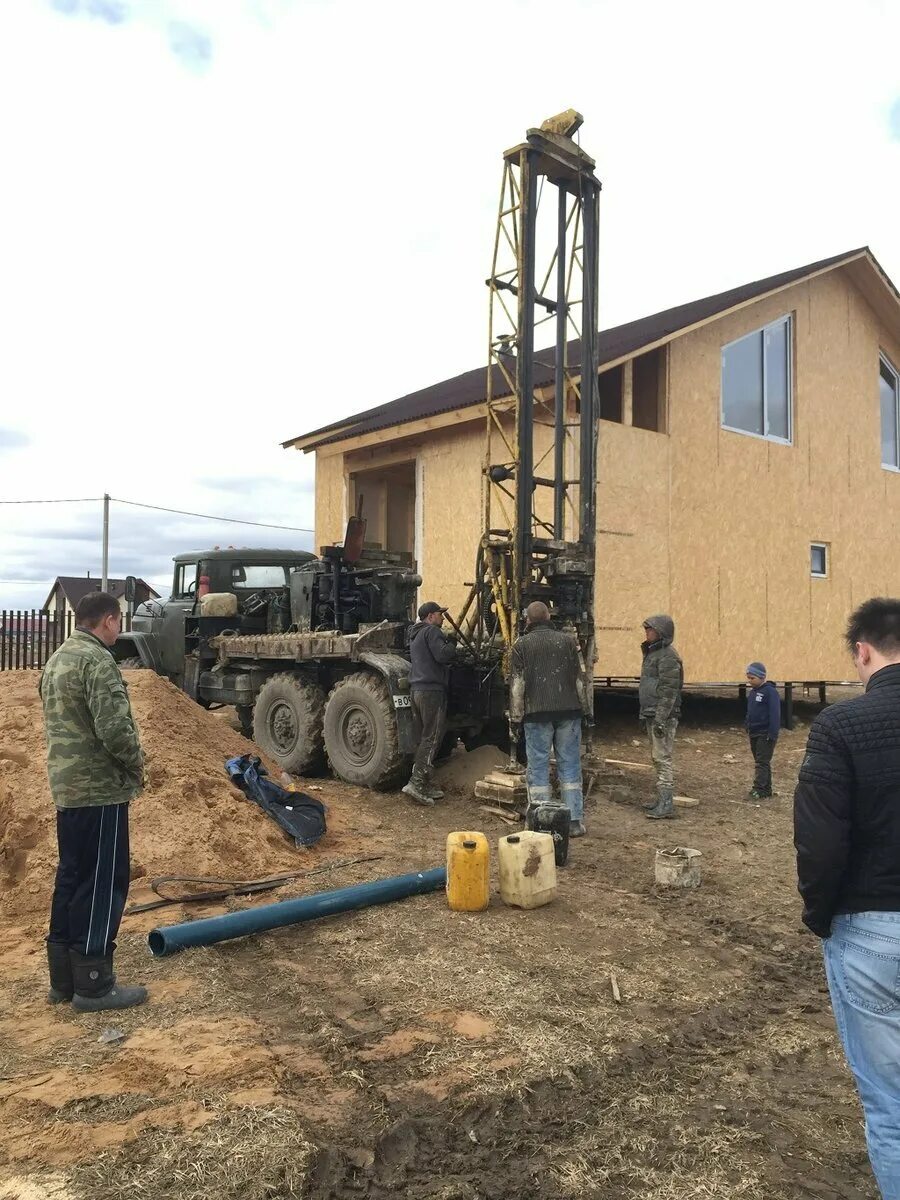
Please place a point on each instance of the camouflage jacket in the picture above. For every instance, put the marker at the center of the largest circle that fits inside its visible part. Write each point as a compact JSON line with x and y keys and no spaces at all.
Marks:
{"x":94,"y":754}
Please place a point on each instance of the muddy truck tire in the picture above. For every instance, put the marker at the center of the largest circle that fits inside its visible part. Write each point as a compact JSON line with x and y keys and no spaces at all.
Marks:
{"x":287,"y":723}
{"x":361,"y":734}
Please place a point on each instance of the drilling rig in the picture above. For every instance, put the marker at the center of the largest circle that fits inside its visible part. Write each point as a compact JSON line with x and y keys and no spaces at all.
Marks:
{"x":314,"y":653}
{"x":538,"y":537}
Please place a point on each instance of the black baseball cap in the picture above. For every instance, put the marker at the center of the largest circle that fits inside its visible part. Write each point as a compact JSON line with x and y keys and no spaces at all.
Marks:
{"x":429,"y":607}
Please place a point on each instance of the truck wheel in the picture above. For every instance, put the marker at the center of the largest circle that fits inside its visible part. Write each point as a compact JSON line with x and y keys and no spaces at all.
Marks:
{"x":130,"y":664}
{"x":287,"y":723}
{"x":361,"y":734}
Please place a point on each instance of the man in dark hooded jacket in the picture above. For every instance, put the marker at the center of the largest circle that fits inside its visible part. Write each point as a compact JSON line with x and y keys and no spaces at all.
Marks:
{"x":662,"y":678}
{"x":430,"y":653}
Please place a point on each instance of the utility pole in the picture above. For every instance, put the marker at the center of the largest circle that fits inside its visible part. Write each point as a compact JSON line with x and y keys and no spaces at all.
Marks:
{"x":104,"y":582}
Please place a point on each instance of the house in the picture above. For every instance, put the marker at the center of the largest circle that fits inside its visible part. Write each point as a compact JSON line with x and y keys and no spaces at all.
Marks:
{"x":69,"y":589}
{"x":748,"y":473}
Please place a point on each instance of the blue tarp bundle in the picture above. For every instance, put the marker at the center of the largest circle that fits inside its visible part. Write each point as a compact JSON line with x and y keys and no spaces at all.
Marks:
{"x":301,"y":817}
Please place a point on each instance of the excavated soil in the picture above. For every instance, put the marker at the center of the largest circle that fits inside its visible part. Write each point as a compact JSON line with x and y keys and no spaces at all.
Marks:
{"x":409,"y":1051}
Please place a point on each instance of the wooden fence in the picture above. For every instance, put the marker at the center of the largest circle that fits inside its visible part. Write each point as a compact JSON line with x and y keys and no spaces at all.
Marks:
{"x":28,"y":638}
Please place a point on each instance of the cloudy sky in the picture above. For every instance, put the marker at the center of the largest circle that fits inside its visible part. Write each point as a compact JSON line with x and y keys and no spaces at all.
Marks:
{"x":226,"y":222}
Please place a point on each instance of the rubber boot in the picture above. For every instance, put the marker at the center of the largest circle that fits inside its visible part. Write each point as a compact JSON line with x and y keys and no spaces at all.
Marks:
{"x":96,"y":989}
{"x":62,"y":986}
{"x":416,"y":789}
{"x":664,"y":807}
{"x":577,"y":829}
{"x":430,"y":788}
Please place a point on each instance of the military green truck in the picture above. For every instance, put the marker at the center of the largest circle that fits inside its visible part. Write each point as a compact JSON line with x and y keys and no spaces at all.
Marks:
{"x":312,"y":652}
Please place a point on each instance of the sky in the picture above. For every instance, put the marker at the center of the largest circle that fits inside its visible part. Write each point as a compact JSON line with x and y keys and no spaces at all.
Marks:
{"x":224,"y":223}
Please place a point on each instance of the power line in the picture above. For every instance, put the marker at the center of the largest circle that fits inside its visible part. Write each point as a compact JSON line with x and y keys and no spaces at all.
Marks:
{"x":160,"y":508}
{"x":207,"y":517}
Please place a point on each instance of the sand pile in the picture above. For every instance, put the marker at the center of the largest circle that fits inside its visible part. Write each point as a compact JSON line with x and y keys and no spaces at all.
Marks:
{"x":458,"y":774}
{"x":189,"y":821}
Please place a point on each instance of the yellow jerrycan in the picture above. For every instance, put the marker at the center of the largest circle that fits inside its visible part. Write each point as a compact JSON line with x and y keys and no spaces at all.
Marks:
{"x":468,"y":872}
{"x":527,"y":867}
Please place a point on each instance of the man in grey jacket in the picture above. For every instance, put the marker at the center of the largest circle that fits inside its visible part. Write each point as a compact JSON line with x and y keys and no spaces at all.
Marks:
{"x":551,"y":694}
{"x":431,"y":652}
{"x":662,"y":678}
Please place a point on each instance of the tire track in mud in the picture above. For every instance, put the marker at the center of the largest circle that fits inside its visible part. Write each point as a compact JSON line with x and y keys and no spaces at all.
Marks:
{"x":493,"y":1151}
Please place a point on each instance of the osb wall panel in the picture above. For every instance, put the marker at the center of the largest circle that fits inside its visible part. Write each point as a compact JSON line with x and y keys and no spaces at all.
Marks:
{"x":329,"y":500}
{"x":744,"y":510}
{"x":632,"y":542}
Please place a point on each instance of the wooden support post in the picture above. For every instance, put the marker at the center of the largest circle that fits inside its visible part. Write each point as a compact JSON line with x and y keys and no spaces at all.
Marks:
{"x":823,"y":695}
{"x":787,"y":715}
{"x":627,"y":393}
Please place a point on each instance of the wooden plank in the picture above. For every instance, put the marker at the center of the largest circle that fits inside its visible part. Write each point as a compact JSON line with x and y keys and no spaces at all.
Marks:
{"x":509,"y":818}
{"x":500,"y":796}
{"x":685,"y":801}
{"x":621,"y":762}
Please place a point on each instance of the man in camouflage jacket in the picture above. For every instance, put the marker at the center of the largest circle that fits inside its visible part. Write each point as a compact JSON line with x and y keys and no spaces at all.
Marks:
{"x":96,"y":767}
{"x":659,"y":692}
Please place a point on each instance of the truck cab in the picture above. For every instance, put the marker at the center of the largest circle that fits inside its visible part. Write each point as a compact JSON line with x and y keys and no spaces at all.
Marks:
{"x":259,"y":578}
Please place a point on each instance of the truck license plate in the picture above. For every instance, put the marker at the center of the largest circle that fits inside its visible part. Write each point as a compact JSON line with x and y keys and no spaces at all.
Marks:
{"x":402,"y":702}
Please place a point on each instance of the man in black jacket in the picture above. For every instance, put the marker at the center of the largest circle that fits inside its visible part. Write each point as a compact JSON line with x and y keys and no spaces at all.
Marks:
{"x":430,"y":652}
{"x":847,"y":835}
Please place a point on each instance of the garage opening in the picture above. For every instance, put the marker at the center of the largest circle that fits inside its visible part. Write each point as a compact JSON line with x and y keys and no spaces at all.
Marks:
{"x":388,"y":497}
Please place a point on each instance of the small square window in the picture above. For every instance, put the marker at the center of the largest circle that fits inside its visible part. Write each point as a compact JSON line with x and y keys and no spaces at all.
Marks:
{"x":818,"y":560}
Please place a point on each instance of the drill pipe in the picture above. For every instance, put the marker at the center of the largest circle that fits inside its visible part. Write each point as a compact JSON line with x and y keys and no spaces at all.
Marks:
{"x":170,"y":939}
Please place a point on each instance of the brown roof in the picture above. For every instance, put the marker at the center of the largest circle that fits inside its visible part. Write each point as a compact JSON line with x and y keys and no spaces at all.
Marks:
{"x":619,"y":342}
{"x":74,"y":588}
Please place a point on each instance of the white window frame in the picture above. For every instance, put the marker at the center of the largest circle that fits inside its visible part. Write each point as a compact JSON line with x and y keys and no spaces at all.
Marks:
{"x":883,"y":360}
{"x":787,"y":320}
{"x":825,"y":548}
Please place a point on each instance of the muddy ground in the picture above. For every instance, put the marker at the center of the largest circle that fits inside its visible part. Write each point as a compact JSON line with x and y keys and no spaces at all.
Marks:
{"x":410,"y":1051}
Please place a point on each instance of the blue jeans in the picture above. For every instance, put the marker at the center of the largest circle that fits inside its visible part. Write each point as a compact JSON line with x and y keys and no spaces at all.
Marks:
{"x":862,"y":962}
{"x":565,"y":738}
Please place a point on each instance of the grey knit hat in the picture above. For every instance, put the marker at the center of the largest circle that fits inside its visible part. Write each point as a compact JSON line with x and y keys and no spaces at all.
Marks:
{"x":663,"y":624}
{"x":757,"y":669}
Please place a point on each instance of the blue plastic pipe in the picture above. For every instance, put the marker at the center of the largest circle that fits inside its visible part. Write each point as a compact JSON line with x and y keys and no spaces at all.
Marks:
{"x":291,"y":912}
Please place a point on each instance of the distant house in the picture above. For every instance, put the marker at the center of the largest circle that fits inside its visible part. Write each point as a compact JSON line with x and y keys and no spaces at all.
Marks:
{"x":69,"y":589}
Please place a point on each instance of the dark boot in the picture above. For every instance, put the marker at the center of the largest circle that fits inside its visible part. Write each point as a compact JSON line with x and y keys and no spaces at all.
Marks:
{"x":95,"y":985}
{"x":62,"y":987}
{"x":664,"y":807}
{"x":430,"y":788}
{"x":416,"y":789}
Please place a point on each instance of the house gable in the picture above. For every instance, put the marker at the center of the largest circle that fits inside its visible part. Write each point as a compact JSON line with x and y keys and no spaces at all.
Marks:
{"x":462,"y":397}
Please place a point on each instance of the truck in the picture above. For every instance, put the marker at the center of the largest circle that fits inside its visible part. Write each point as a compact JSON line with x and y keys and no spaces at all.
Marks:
{"x":311,"y":651}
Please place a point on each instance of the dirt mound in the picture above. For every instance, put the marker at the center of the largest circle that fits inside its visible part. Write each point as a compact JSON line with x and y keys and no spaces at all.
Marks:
{"x":190,"y":820}
{"x":461,"y":771}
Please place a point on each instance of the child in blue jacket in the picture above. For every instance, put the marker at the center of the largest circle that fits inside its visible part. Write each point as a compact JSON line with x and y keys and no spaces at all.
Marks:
{"x":763,"y":726}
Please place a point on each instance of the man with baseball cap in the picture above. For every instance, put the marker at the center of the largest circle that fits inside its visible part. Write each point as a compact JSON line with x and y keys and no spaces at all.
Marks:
{"x":430,"y":652}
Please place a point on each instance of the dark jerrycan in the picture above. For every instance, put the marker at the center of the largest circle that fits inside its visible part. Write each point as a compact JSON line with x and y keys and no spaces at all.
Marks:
{"x":555,"y":820}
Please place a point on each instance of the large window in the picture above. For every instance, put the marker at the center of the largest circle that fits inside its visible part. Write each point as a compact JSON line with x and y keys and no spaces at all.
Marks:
{"x":258,"y":575}
{"x":889,"y":391}
{"x":756,"y":383}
